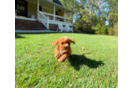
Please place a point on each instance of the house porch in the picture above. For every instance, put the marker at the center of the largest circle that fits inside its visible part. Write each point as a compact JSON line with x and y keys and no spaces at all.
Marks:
{"x":47,"y":13}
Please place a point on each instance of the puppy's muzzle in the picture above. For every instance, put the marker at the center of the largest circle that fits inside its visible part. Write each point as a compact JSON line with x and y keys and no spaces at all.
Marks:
{"x":66,"y":46}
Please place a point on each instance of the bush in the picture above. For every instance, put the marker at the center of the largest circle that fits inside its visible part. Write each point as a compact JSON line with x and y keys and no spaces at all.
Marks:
{"x":102,"y":31}
{"x":81,"y":27}
{"x":77,"y":26}
{"x":113,"y":30}
{"x":98,"y":29}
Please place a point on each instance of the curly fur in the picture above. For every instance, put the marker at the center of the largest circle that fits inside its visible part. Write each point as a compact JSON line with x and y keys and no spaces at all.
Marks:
{"x":63,"y":50}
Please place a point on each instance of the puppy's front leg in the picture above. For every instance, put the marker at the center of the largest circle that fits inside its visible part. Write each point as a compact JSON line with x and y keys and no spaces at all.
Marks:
{"x":63,"y":58}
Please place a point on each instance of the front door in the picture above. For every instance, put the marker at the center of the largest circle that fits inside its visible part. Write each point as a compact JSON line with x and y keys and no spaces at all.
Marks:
{"x":21,"y":7}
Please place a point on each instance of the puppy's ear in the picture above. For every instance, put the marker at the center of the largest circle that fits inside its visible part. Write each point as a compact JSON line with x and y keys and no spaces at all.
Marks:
{"x":55,"y":42}
{"x":73,"y":41}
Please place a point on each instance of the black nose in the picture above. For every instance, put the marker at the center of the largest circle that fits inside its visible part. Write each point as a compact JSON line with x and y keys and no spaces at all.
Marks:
{"x":65,"y":47}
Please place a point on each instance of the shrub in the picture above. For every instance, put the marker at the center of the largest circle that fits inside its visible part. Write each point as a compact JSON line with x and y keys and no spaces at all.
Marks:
{"x":113,"y":30}
{"x":100,"y":29}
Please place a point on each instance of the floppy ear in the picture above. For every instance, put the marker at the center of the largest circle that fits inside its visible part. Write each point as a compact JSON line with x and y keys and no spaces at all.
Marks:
{"x":73,"y":41}
{"x":55,"y":42}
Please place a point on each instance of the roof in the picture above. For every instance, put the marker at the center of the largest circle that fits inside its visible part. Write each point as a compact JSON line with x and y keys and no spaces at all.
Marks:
{"x":59,"y":6}
{"x":50,"y":4}
{"x":58,"y":2}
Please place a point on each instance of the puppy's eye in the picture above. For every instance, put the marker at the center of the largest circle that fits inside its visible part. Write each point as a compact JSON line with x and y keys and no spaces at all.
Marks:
{"x":62,"y":43}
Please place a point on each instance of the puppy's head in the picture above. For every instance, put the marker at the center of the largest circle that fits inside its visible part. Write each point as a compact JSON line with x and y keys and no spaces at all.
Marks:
{"x":63,"y":43}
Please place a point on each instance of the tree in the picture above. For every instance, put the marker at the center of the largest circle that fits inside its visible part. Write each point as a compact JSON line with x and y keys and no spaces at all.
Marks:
{"x":92,"y":14}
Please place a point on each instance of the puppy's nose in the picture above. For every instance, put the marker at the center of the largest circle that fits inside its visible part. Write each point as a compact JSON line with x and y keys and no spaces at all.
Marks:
{"x":65,"y":47}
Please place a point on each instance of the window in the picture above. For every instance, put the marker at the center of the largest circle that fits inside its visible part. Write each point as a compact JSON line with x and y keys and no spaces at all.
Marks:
{"x":40,"y":8}
{"x":21,"y":7}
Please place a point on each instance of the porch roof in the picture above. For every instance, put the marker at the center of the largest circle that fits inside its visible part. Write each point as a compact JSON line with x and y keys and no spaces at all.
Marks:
{"x":50,"y":4}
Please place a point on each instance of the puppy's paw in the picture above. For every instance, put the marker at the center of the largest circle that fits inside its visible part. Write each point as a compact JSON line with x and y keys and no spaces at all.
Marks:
{"x":60,"y":60}
{"x":63,"y":58}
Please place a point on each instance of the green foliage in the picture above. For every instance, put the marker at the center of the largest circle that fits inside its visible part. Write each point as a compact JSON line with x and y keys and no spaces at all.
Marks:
{"x":116,"y":29}
{"x":100,"y":29}
{"x":82,"y":27}
{"x":113,"y":18}
{"x":70,"y":4}
{"x":92,"y":15}
{"x":113,"y":30}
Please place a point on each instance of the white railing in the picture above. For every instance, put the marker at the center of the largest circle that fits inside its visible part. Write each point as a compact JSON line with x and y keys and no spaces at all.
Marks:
{"x":44,"y":20}
{"x":55,"y":16}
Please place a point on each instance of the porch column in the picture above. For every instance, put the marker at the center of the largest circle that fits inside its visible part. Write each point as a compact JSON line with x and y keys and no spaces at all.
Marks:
{"x":54,"y":13}
{"x":64,"y":15}
{"x":37,"y":9}
{"x":48,"y":23}
{"x":72,"y":19}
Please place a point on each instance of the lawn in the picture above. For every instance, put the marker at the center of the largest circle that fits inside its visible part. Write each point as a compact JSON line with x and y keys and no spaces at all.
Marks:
{"x":96,"y":66}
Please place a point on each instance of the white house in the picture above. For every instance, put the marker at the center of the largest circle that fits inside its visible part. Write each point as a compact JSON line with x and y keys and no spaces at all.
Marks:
{"x":40,"y":15}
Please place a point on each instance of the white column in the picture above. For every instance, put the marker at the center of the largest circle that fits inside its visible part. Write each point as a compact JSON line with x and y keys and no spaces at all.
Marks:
{"x":54,"y":13}
{"x":72,"y":17}
{"x":37,"y":9}
{"x":72,"y":20}
{"x":64,"y":15}
{"x":48,"y":23}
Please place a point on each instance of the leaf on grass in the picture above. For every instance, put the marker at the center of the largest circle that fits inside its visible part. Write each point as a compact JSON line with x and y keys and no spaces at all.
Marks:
{"x":83,"y":48}
{"x":57,"y":69}
{"x":17,"y":70}
{"x":70,"y":85}
{"x":87,"y":54}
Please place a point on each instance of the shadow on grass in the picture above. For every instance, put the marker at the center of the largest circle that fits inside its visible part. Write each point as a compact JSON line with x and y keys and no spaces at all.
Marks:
{"x":18,"y":36}
{"x":78,"y":60}
{"x":57,"y":33}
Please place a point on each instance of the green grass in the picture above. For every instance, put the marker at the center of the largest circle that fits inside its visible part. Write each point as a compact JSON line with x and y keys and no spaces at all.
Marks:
{"x":94,"y":67}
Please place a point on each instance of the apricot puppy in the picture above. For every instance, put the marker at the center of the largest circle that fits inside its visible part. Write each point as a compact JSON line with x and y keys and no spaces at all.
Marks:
{"x":63,"y":50}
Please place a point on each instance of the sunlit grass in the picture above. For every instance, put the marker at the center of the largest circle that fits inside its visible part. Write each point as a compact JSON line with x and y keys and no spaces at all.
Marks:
{"x":96,"y":66}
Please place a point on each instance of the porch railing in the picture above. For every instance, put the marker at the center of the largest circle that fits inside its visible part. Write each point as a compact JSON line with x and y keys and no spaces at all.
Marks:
{"x":44,"y":20}
{"x":56,"y":16}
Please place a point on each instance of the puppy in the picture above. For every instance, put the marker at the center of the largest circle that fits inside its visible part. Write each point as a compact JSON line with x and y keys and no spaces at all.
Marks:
{"x":63,"y":50}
